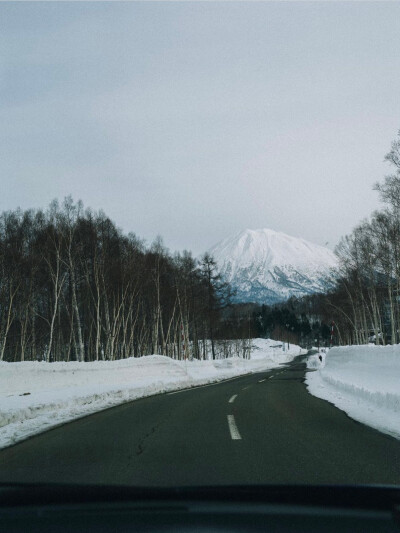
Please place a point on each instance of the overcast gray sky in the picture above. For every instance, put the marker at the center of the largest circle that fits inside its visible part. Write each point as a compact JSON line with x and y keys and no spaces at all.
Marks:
{"x":197,"y":120}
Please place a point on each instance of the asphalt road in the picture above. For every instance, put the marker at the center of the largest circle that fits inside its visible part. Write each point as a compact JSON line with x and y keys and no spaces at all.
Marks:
{"x":261,"y":428}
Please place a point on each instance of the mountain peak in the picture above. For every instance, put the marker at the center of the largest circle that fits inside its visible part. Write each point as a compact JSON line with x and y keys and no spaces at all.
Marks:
{"x":267,"y":266}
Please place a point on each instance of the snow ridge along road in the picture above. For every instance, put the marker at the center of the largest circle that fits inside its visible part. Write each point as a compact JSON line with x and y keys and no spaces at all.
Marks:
{"x":363,"y":381}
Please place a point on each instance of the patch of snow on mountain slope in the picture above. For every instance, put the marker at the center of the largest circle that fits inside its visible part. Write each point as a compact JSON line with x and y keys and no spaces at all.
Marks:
{"x":266,"y":266}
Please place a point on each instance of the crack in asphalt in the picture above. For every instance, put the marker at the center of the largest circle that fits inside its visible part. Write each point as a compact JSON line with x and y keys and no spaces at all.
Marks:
{"x":140,"y":447}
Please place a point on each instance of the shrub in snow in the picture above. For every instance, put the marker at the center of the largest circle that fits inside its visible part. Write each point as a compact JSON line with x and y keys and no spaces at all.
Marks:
{"x":316,"y":361}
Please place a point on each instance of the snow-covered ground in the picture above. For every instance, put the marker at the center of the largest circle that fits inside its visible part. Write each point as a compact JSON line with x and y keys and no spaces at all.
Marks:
{"x":363,"y":381}
{"x":35,"y":396}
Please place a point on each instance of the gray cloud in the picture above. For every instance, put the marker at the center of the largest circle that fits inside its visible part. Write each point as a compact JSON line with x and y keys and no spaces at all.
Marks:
{"x":197,"y":120}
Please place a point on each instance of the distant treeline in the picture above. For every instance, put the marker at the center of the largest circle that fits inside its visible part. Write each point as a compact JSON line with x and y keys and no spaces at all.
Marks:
{"x":296,"y":321}
{"x":74,"y":287}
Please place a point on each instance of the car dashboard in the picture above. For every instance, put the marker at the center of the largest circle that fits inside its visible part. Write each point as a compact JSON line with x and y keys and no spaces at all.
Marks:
{"x":45,"y":508}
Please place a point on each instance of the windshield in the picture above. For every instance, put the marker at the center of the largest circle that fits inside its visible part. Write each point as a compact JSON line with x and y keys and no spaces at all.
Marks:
{"x":199,"y":243}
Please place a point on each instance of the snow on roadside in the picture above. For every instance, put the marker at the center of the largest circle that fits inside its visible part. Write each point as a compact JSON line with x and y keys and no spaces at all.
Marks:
{"x":363,"y":381}
{"x":36,"y":396}
{"x":317,"y":360}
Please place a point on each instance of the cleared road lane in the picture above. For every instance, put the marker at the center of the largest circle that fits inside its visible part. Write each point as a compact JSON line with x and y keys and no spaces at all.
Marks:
{"x":285,"y":436}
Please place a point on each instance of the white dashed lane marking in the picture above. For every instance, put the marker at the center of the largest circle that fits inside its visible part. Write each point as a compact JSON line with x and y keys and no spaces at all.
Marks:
{"x":235,"y":435}
{"x":232,"y":398}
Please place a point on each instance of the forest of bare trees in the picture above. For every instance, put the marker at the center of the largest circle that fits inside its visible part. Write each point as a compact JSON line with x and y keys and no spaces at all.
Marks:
{"x":74,"y":287}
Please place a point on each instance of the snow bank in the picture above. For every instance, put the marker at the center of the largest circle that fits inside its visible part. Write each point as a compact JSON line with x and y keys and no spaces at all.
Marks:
{"x":363,"y":381}
{"x":35,"y":396}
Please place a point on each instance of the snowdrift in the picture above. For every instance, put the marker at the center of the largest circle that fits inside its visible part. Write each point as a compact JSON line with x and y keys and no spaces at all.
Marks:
{"x":35,"y":396}
{"x":363,"y":381}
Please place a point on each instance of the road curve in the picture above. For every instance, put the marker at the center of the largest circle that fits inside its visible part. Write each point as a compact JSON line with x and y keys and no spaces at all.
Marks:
{"x":260,"y":428}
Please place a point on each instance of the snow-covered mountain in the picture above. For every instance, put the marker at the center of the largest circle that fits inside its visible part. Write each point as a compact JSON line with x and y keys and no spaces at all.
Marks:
{"x":266,"y":266}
